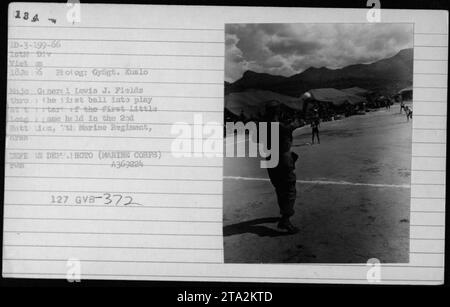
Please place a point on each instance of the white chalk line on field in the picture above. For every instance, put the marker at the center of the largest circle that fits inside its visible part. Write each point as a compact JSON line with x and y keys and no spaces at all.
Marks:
{"x":331,"y":182}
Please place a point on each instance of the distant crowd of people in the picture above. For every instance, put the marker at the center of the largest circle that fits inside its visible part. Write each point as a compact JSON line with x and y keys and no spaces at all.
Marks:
{"x":316,"y":112}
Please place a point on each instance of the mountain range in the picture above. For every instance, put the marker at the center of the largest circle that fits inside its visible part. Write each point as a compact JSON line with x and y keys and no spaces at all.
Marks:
{"x":386,"y":76}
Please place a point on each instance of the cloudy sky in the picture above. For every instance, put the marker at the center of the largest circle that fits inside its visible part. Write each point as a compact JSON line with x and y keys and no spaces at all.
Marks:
{"x":287,"y":49}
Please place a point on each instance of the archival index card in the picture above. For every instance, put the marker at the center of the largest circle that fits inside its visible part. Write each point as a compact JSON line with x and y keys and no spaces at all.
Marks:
{"x":114,"y":158}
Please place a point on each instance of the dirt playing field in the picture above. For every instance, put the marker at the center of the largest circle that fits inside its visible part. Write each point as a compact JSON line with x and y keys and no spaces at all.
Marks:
{"x":353,"y":196}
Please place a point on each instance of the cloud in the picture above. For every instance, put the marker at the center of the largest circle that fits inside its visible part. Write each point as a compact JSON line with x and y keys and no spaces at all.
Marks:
{"x":234,"y":59}
{"x":287,"y":49}
{"x":291,"y":46}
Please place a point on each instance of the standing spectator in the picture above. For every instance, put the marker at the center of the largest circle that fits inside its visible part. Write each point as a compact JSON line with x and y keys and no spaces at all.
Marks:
{"x":315,"y":129}
{"x":408,"y":112}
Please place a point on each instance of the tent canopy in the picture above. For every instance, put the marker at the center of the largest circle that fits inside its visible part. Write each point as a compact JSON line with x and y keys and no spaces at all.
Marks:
{"x":334,"y":96}
{"x":406,"y":93}
{"x":406,"y":89}
{"x":252,"y":102}
{"x":358,"y":91}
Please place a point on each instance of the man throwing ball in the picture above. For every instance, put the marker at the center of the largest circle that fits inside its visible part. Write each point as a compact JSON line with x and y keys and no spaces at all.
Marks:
{"x":283,"y":176}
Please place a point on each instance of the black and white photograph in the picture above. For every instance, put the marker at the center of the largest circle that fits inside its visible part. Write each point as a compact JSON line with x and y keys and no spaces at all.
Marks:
{"x":342,"y":97}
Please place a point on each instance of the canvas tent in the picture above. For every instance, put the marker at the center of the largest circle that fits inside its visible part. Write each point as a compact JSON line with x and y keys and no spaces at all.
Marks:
{"x":251,"y":103}
{"x":406,"y":93}
{"x":335,"y":97}
{"x":358,"y":91}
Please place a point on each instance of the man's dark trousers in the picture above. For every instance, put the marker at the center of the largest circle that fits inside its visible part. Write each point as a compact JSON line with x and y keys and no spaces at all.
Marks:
{"x":283,"y":178}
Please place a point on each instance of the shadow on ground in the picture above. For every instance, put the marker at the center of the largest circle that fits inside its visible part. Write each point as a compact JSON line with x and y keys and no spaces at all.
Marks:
{"x":254,"y":227}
